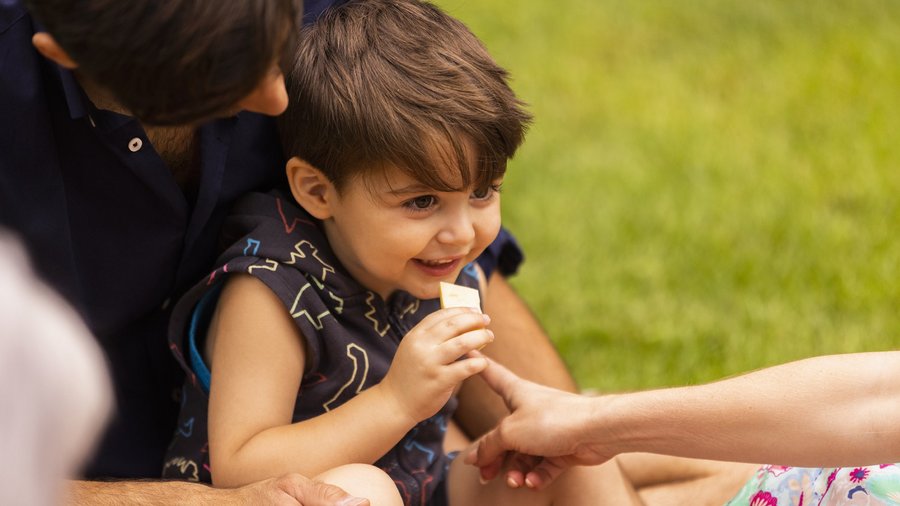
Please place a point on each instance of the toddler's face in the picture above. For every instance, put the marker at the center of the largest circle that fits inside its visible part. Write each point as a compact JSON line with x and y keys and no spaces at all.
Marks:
{"x":394,"y":233}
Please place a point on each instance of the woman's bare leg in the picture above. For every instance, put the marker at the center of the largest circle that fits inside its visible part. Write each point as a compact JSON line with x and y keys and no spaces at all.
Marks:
{"x":662,"y":480}
{"x":588,"y":486}
{"x":455,"y":440}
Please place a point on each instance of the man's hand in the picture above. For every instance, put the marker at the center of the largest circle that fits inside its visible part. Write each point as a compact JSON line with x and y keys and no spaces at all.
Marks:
{"x":293,"y":489}
{"x":546,"y":432}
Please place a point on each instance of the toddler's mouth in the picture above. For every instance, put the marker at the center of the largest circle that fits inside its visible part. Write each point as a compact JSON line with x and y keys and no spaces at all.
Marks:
{"x":438,"y":268}
{"x":436,"y":263}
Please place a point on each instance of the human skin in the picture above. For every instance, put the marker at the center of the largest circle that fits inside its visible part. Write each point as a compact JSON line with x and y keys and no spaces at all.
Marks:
{"x":290,"y":489}
{"x":478,"y":407}
{"x":843,"y":408}
{"x":390,"y":233}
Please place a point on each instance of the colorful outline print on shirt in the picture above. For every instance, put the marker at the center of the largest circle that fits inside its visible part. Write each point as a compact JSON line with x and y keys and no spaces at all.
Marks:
{"x":317,"y":321}
{"x":372,"y":312}
{"x":411,"y":309}
{"x":339,"y":309}
{"x":270,"y":265}
{"x":288,"y":228}
{"x":313,"y":252}
{"x":186,"y":468}
{"x":356,"y":354}
{"x":423,"y":486}
{"x":251,"y":243}
{"x":409,"y":441}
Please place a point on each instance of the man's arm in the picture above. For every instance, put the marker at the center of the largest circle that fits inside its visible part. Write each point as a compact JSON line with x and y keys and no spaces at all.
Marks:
{"x":287,"y":490}
{"x":521,"y":345}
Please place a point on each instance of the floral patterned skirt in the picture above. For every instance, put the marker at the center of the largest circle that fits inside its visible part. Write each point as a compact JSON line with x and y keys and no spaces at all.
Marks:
{"x":804,"y":486}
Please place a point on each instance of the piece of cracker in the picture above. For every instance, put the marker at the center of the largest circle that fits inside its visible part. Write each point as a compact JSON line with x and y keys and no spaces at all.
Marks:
{"x":459,"y":296}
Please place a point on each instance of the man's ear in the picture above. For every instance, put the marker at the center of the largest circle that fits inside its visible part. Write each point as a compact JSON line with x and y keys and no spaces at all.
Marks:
{"x":311,"y":188}
{"x":47,"y":46}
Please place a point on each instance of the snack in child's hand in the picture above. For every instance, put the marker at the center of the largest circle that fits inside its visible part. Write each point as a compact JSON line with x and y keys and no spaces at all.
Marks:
{"x":459,"y":296}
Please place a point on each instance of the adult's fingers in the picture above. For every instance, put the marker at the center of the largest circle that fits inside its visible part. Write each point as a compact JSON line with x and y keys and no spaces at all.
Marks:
{"x":500,"y":379}
{"x":301,"y":490}
{"x":487,"y":470}
{"x":490,"y":449}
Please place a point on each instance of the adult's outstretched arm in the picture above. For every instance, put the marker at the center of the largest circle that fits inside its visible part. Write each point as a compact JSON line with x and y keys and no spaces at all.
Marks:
{"x":835,"y":410}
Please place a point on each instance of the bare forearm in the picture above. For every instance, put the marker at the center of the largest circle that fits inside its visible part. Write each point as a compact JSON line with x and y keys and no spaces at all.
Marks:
{"x":825,"y":411}
{"x":286,"y":489}
{"x":522,"y":346}
{"x":359,"y":431}
{"x":162,"y":493}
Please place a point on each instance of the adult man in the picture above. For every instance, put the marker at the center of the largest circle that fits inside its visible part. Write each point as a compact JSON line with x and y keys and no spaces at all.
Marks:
{"x":117,"y":174}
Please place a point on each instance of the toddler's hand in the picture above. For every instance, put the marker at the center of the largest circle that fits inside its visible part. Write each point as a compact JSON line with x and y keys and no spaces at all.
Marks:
{"x":431,"y":361}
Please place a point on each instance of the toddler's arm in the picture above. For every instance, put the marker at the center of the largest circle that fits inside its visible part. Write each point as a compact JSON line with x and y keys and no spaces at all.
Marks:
{"x":257,"y":361}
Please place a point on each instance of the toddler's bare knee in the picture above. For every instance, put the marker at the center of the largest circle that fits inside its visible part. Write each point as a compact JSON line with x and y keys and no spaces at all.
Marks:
{"x":363,"y":480}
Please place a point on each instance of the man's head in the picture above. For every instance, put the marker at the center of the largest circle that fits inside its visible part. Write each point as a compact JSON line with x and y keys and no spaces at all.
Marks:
{"x":399,"y":83}
{"x":173,"y":61}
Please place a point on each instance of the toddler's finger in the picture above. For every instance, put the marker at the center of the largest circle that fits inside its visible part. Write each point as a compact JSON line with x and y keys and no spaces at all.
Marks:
{"x":518,"y":465}
{"x":450,"y":326}
{"x":515,"y":478}
{"x":457,"y":372}
{"x":490,"y":471}
{"x":543,"y":474}
{"x":440,"y":315}
{"x":459,"y":346}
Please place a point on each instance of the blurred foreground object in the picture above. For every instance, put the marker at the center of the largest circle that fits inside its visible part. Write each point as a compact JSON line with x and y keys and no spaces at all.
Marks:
{"x":54,"y":388}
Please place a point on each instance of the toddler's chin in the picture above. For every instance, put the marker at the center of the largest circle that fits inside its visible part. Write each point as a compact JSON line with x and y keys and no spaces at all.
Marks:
{"x":427,"y":292}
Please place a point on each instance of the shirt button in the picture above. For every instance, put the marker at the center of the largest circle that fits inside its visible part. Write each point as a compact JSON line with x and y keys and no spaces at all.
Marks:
{"x":165,"y":304}
{"x":134,"y":145}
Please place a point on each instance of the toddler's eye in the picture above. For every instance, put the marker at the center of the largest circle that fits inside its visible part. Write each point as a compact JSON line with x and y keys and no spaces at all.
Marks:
{"x":421,"y":203}
{"x":481,"y":193}
{"x":486,"y":192}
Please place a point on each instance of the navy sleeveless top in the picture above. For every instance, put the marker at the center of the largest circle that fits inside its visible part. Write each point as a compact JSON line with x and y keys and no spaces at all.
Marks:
{"x":351,"y":337}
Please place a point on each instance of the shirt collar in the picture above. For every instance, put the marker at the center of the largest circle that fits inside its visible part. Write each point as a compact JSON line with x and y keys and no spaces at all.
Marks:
{"x":76,"y":99}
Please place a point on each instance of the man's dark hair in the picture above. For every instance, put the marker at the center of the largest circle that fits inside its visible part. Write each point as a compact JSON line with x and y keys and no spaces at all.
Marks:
{"x":399,"y":82}
{"x":172,"y":61}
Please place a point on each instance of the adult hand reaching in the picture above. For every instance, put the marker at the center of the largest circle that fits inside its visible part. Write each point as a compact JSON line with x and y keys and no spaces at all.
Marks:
{"x":547,"y":431}
{"x":734,"y":419}
{"x":296,"y":489}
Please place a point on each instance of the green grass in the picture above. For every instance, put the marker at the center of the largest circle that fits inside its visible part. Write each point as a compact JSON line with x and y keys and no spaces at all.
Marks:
{"x":709,"y":187}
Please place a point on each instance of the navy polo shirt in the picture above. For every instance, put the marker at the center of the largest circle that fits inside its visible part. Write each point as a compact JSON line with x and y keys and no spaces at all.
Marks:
{"x":107,"y":226}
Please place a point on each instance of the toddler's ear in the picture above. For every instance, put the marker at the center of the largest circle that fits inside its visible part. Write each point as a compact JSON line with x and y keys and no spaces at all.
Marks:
{"x":310,"y":187}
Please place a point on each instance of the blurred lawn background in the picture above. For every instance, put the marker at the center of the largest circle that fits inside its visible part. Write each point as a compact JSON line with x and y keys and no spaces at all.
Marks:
{"x":709,"y":187}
